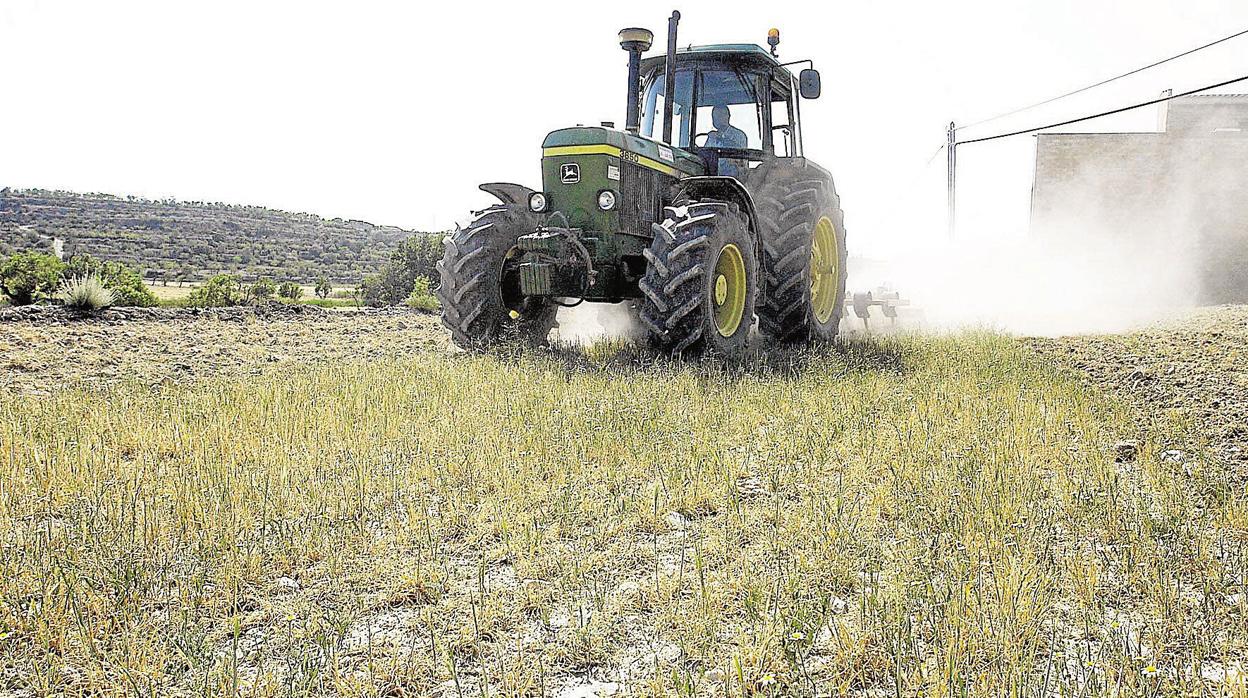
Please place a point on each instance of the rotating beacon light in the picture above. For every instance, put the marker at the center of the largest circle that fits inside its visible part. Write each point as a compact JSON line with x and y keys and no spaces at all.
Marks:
{"x":636,"y":41}
{"x":773,"y":40}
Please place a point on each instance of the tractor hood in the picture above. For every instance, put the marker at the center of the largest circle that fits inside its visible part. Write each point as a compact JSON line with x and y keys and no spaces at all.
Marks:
{"x":594,"y":140}
{"x":578,"y":164}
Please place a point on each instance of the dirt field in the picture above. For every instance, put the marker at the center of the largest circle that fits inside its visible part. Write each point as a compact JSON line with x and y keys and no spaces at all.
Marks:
{"x":1190,"y":369}
{"x":44,"y":349}
{"x":317,"y":504}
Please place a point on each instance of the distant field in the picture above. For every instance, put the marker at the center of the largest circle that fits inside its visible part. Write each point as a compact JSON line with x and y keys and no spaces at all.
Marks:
{"x":171,"y":292}
{"x":177,"y":292}
{"x":938,"y":516}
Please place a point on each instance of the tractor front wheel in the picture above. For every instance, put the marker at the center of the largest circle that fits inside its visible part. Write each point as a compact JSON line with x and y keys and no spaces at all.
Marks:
{"x":701,"y":281}
{"x":480,"y":284}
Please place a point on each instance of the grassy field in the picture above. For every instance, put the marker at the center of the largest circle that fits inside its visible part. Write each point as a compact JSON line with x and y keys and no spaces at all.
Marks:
{"x":913,"y":516}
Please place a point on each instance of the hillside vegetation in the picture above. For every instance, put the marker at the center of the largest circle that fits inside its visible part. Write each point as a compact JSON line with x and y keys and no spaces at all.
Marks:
{"x":192,"y":240}
{"x":916,"y":516}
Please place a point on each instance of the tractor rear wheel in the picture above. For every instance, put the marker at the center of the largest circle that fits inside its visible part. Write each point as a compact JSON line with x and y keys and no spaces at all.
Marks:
{"x":480,"y":284}
{"x":804,"y":257}
{"x":701,"y":281}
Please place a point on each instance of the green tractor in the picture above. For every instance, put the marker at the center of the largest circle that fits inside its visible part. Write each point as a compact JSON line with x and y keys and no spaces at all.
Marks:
{"x":703,"y":211}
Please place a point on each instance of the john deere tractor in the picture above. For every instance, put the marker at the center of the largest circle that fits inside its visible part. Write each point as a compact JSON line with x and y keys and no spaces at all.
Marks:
{"x":702,"y":210}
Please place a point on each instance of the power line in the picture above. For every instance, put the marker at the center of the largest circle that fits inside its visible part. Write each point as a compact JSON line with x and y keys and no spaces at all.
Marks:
{"x":1106,"y":82}
{"x":1107,"y":113}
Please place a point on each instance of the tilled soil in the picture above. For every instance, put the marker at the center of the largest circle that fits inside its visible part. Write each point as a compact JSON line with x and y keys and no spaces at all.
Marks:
{"x":43,"y":349}
{"x":1196,"y":367}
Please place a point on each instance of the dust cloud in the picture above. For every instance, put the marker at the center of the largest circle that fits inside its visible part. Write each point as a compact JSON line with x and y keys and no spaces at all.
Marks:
{"x":1125,"y":230}
{"x":592,"y":322}
{"x":1074,"y":285}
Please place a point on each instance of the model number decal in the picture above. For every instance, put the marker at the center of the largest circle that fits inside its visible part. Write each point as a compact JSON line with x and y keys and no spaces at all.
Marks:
{"x":626,"y":156}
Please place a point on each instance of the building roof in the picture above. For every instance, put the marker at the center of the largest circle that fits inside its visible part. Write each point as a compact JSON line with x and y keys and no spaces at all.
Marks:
{"x":1213,"y":97}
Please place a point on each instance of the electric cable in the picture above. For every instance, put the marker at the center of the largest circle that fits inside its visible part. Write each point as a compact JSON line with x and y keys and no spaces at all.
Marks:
{"x":1106,"y":113}
{"x":1106,"y":82}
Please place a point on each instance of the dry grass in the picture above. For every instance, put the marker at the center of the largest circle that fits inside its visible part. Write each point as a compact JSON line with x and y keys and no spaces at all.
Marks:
{"x":915,"y":516}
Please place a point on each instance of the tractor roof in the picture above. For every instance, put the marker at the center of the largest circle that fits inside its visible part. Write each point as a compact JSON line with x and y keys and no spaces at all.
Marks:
{"x":748,"y":55}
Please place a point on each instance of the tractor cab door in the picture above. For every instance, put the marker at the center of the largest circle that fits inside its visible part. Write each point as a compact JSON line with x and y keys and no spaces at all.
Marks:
{"x":785,"y":138}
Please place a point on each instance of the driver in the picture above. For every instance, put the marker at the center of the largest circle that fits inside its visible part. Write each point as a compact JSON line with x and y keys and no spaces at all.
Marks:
{"x":725,"y":134}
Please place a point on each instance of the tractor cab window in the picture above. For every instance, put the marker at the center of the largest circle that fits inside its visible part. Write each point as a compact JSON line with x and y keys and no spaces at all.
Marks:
{"x":729,"y":113}
{"x":682,"y":108}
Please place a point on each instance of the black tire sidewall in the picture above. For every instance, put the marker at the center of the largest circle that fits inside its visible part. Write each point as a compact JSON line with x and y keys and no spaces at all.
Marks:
{"x":729,"y":230}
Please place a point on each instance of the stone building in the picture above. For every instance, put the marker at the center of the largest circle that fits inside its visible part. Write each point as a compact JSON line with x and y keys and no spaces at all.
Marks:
{"x":1175,"y":198}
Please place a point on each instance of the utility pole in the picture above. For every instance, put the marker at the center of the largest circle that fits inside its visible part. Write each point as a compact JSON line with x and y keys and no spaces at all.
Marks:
{"x":951,"y":148}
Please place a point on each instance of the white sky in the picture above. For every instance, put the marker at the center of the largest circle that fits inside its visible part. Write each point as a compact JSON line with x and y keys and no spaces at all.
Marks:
{"x":393,"y":112}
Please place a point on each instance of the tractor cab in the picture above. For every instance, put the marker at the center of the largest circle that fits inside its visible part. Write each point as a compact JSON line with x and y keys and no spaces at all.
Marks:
{"x":733,"y":105}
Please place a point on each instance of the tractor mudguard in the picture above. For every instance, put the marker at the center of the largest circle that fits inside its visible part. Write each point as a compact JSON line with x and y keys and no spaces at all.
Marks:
{"x":722,"y":189}
{"x":510,"y":194}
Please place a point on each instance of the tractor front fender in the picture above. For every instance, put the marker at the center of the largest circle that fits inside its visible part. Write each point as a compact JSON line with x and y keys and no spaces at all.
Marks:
{"x":509,"y":194}
{"x":726,"y":189}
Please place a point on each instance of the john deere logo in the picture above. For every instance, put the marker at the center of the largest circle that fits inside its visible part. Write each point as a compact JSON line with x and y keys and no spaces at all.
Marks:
{"x":570,"y":173}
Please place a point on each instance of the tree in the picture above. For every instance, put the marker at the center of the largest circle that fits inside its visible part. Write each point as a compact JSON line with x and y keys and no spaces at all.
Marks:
{"x":323,"y":288}
{"x":415,"y":257}
{"x":220,"y":290}
{"x":290,"y":290}
{"x":29,"y":277}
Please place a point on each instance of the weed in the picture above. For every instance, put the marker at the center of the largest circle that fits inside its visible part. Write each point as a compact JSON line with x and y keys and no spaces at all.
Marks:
{"x":86,"y":293}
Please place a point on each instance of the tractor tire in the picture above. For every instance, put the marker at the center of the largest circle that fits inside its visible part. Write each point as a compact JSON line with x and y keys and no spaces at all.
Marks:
{"x":804,"y":256}
{"x":480,"y":289}
{"x":701,"y":281}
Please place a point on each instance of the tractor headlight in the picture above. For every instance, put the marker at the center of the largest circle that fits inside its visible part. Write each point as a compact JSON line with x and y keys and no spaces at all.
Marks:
{"x":537,"y":202}
{"x":606,"y":199}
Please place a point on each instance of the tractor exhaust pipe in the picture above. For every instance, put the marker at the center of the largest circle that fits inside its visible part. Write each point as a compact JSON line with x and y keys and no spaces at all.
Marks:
{"x":669,"y":76}
{"x":636,"y":41}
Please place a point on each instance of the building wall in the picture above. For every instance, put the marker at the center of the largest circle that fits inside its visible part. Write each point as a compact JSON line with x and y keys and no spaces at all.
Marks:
{"x":1176,"y":201}
{"x":1201,"y":115}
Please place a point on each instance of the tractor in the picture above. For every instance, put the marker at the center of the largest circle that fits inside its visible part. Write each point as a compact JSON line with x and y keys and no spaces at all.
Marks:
{"x":703,"y":211}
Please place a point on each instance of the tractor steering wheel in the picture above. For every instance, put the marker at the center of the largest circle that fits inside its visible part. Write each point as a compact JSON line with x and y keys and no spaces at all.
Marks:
{"x":701,"y":135}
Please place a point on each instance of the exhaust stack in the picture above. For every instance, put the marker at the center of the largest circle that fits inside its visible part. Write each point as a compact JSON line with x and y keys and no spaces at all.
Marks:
{"x":636,"y":41}
{"x":669,"y":76}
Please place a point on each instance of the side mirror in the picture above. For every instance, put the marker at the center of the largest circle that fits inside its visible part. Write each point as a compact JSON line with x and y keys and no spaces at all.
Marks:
{"x":808,"y":83}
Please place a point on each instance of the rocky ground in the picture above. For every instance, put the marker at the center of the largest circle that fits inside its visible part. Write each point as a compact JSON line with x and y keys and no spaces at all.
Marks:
{"x":1196,"y":368}
{"x":42,"y":349}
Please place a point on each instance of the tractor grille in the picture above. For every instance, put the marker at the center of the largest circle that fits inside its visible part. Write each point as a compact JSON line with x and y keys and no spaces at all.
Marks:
{"x":639,"y":198}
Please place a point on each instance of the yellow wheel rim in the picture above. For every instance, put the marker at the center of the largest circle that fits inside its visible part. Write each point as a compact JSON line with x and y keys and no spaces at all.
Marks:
{"x":825,"y":270}
{"x":729,"y":290}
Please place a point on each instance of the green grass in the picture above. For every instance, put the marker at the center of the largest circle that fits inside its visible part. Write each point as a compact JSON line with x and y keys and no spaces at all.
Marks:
{"x":914,"y":516}
{"x":331,"y":302}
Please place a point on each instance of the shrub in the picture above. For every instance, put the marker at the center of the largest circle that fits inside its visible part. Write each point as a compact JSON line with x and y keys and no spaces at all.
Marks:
{"x":29,"y":277}
{"x":323,"y":288}
{"x":420,"y":298}
{"x":125,"y":283}
{"x":261,"y":291}
{"x":220,"y":290}
{"x":290,"y":290}
{"x":86,"y":293}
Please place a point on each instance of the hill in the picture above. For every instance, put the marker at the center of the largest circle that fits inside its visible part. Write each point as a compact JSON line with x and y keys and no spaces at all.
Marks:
{"x":192,"y":240}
